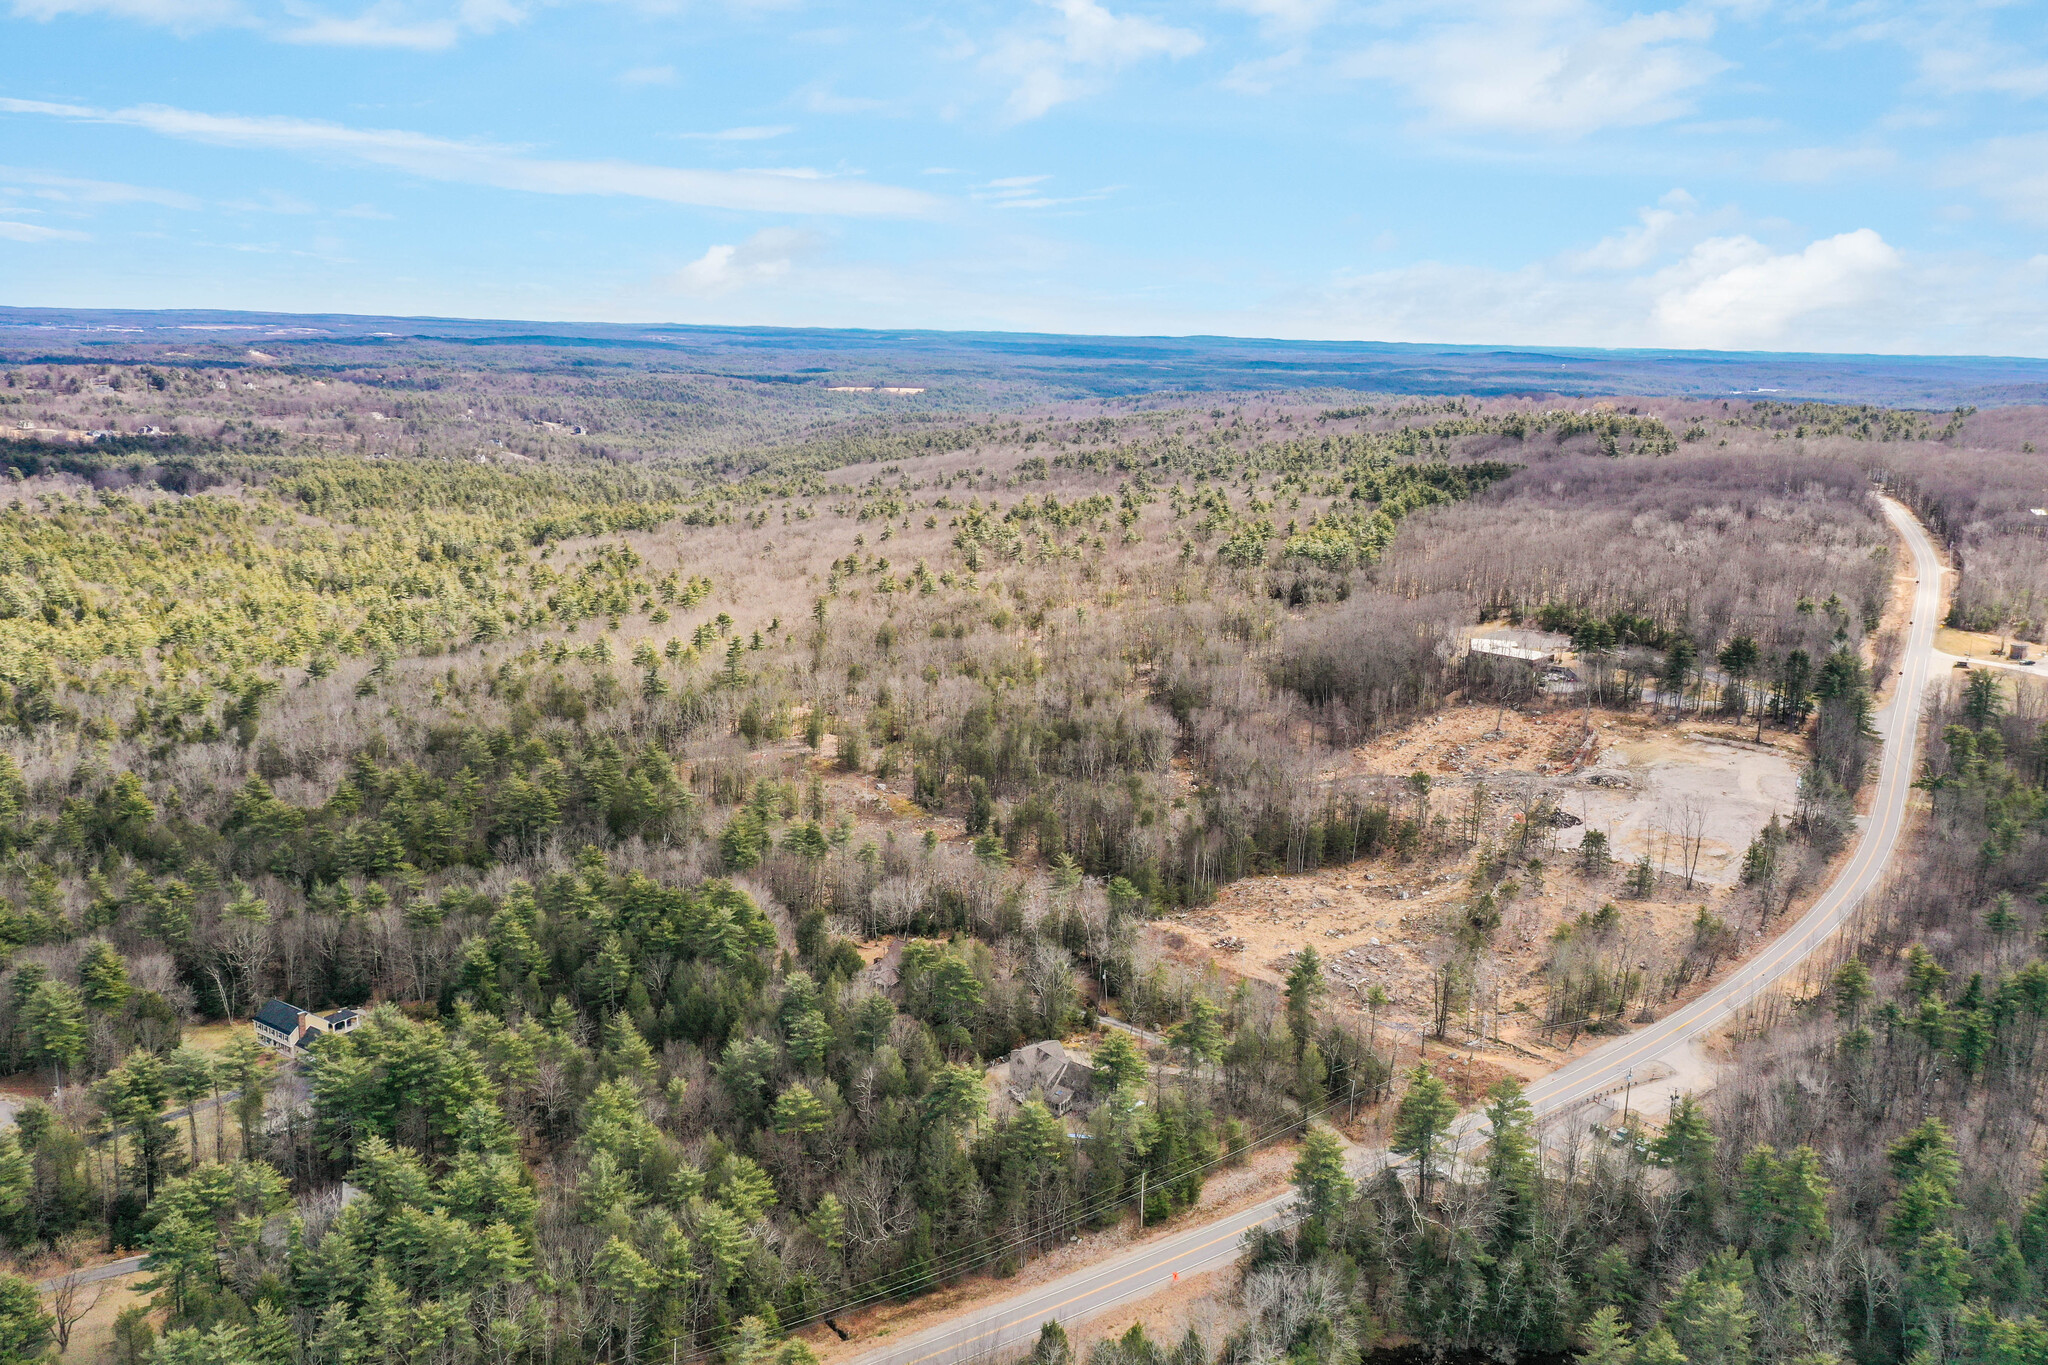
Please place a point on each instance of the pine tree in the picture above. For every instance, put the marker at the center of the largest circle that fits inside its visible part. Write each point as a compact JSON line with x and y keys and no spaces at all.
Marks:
{"x":55,"y":1015}
{"x":1052,"y":1346}
{"x":1659,"y":1347}
{"x":1937,"y":1284}
{"x":2000,"y":919}
{"x":103,"y":976}
{"x":17,"y":1182}
{"x":799,"y":1113}
{"x":1709,"y":1314}
{"x":1421,"y":1123}
{"x":1925,"y":1168}
{"x":1117,"y":1063}
{"x":1982,"y":701}
{"x":1802,"y":1199}
{"x":1758,"y":1194}
{"x":1511,"y":1166}
{"x":2033,"y":1237}
{"x":1606,"y":1340}
{"x":1687,"y":1146}
{"x":190,"y":1075}
{"x":1305,"y":990}
{"x":1924,"y":975}
{"x":1851,"y":985}
{"x":1319,"y":1173}
{"x":2007,"y":1274}
{"x":1200,"y":1035}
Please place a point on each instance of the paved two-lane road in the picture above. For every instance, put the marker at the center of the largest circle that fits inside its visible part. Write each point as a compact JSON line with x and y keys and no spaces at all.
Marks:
{"x":1006,"y":1324}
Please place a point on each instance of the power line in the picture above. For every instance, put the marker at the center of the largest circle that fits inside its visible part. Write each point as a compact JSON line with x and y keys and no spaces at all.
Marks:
{"x":967,"y":1259}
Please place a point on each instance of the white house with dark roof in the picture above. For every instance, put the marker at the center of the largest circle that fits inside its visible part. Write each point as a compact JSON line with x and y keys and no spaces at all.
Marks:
{"x":286,"y":1028}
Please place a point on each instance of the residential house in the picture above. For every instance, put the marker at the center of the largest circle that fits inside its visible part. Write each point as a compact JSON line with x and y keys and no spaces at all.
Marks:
{"x":1049,"y":1070}
{"x":286,"y":1028}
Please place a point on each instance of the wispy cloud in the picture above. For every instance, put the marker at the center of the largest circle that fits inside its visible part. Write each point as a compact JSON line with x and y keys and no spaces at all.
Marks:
{"x":183,"y":16}
{"x":1285,"y":16}
{"x":374,"y":30}
{"x":1819,"y":165}
{"x":1977,"y":66}
{"x":510,"y":168}
{"x":73,"y":190}
{"x":2012,"y":172}
{"x":34,"y":232}
{"x":1077,"y":47}
{"x":759,"y":133}
{"x":1561,"y":69}
{"x":394,"y":24}
{"x":1261,"y":74}
{"x":823,"y":99}
{"x":637,"y":76}
{"x":1026,"y":192}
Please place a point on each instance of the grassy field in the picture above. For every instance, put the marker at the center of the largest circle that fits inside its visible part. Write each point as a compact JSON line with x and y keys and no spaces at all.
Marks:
{"x":214,"y":1038}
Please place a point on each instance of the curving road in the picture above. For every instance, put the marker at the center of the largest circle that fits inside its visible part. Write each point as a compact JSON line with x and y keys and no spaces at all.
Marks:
{"x":1009,"y":1323}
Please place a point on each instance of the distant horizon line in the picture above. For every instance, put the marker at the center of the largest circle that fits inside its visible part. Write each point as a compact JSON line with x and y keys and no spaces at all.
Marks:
{"x":60,"y":318}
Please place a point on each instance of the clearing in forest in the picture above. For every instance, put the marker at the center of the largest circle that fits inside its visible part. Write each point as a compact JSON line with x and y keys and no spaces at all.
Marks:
{"x":1690,"y":796}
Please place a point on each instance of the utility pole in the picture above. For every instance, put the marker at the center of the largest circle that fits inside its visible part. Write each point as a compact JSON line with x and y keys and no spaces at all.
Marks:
{"x":1141,"y":1200}
{"x":1628,"y":1085}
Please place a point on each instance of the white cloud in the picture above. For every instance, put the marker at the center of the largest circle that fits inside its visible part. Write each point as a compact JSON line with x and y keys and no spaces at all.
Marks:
{"x":72,"y":190}
{"x":823,"y":99}
{"x":1024,"y":192}
{"x":1285,"y":16}
{"x":374,"y":30}
{"x":472,"y":163}
{"x":764,"y":258}
{"x":1654,"y":234}
{"x":1733,"y":292}
{"x":1079,"y":46}
{"x":1818,"y":165}
{"x":1260,"y":75}
{"x":273,"y":201}
{"x":31,"y":232}
{"x":2010,"y":171}
{"x":1679,"y":278}
{"x":183,"y":16}
{"x":1557,"y":68}
{"x":634,"y":77}
{"x":1982,"y":67}
{"x":758,"y":133}
{"x":394,"y":24}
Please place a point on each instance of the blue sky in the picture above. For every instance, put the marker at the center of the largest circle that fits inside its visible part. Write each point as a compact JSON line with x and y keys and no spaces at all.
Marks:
{"x":1866,"y":176}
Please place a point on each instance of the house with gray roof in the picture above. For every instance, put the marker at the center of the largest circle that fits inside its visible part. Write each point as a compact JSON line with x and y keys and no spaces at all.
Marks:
{"x":1047,"y":1069}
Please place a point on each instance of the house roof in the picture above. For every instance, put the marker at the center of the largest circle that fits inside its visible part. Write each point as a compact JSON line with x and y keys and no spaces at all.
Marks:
{"x":341,"y":1016}
{"x":280,"y":1016}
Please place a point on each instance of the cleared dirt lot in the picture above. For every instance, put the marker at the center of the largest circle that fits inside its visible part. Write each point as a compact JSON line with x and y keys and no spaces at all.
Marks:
{"x":1651,"y":786}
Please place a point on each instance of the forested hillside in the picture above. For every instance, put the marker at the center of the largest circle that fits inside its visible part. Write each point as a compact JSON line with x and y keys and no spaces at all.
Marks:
{"x":697,"y":824}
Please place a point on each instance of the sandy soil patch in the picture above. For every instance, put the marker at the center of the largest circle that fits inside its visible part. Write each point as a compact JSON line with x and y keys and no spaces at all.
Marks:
{"x":1648,"y":784}
{"x":1465,"y":740}
{"x":1654,"y":789}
